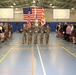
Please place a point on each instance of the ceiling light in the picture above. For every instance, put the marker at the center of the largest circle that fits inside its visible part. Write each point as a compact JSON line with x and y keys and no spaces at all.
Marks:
{"x":34,"y":1}
{"x":11,"y":6}
{"x":53,"y":6}
{"x":50,"y":4}
{"x":72,"y":8}
{"x":16,"y":8}
{"x":17,"y":12}
{"x":14,"y":3}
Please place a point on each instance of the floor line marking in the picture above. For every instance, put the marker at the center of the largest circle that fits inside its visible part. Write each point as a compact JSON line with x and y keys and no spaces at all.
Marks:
{"x":10,"y":71}
{"x":7,"y":53}
{"x":32,"y":60}
{"x":44,"y":72}
{"x":68,"y":51}
{"x":22,"y":48}
{"x":14,"y":44}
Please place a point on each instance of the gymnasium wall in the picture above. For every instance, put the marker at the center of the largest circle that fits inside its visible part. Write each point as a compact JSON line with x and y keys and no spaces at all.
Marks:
{"x":17,"y":25}
{"x":18,"y":21}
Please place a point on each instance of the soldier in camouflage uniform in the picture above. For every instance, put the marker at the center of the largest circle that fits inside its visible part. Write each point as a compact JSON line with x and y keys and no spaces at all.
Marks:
{"x":30,"y":33}
{"x":41,"y":29}
{"x":36,"y":30}
{"x":24,"y":33}
{"x":47,"y":32}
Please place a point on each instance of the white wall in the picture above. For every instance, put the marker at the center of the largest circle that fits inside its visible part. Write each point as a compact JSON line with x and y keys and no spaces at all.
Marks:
{"x":48,"y":17}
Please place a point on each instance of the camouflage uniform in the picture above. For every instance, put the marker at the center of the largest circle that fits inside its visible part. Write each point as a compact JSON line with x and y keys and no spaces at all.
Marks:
{"x":41,"y":34}
{"x":30,"y":34}
{"x":47,"y":32}
{"x":36,"y":30}
{"x":24,"y":34}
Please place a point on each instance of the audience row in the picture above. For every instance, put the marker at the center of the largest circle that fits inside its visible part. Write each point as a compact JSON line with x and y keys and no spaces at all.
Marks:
{"x":5,"y":31}
{"x":68,"y":31}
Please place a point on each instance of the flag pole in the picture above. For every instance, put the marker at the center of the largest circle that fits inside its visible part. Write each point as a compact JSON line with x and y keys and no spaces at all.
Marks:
{"x":36,"y":20}
{"x":35,"y":9}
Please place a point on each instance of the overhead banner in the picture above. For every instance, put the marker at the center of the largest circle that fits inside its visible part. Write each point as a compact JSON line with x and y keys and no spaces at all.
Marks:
{"x":6,"y":13}
{"x":61,"y":13}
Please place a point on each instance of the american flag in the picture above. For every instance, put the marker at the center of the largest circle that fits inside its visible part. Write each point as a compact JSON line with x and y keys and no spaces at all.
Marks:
{"x":28,"y":20}
{"x":43,"y":18}
{"x":32,"y":13}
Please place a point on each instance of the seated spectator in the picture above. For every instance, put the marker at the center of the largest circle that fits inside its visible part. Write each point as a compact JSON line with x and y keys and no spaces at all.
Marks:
{"x":74,"y":34}
{"x":68,"y":32}
{"x":1,"y":32}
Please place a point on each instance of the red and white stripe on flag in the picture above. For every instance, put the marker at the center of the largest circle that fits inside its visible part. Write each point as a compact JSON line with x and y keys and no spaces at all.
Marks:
{"x":32,"y":16}
{"x":28,"y":20}
{"x":43,"y":18}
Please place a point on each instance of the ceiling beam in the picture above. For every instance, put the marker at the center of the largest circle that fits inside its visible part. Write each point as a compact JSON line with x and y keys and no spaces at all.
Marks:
{"x":63,"y":6}
{"x":66,"y":3}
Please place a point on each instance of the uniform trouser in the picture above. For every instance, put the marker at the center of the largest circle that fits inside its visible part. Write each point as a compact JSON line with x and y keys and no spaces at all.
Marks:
{"x":47,"y":37}
{"x":24,"y":37}
{"x":41,"y":37}
{"x":35,"y":37}
{"x":29,"y":38}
